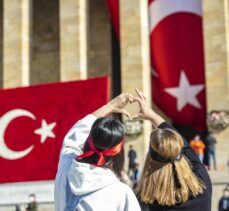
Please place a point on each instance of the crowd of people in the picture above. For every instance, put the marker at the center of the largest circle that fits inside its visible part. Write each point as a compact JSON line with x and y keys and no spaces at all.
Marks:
{"x":205,"y":148}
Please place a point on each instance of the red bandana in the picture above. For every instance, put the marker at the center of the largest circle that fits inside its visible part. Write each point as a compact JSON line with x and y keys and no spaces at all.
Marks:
{"x":109,"y":152}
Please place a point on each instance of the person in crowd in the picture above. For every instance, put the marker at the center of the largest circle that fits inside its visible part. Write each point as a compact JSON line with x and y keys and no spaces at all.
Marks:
{"x":32,"y":205}
{"x":17,"y":207}
{"x":135,"y":175}
{"x":91,"y":164}
{"x":173,"y":177}
{"x":198,"y":145}
{"x":224,"y":201}
{"x":210,"y":150}
{"x":132,"y":155}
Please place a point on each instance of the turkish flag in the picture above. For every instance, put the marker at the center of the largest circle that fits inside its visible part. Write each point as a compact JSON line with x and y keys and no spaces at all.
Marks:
{"x":177,"y":58}
{"x":34,"y":121}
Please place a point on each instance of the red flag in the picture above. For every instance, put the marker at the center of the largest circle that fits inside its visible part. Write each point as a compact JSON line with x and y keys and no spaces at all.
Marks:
{"x":113,"y":8}
{"x":176,"y":40}
{"x":176,"y":43}
{"x":34,"y":121}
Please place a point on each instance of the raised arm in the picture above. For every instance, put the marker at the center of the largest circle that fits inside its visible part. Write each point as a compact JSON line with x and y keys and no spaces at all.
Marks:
{"x":76,"y":137}
{"x":147,"y":113}
{"x":75,"y":140}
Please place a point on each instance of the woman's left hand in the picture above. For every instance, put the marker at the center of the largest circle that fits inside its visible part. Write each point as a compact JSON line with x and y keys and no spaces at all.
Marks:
{"x":117,"y":105}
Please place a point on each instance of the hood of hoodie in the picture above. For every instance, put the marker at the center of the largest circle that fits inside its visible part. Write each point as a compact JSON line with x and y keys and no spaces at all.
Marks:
{"x":84,"y":178}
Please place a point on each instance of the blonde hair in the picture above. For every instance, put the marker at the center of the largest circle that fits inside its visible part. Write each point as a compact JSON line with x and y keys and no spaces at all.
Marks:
{"x":158,"y":182}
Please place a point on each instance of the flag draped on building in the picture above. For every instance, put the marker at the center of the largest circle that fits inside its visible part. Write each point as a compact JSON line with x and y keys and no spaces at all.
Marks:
{"x":177,"y":58}
{"x":34,"y":121}
{"x":113,"y":7}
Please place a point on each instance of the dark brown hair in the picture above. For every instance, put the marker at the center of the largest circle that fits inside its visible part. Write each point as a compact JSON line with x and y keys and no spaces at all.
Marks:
{"x":106,"y":132}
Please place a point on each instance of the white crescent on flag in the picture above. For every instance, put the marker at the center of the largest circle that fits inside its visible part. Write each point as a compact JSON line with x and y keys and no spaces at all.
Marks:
{"x":5,"y":120}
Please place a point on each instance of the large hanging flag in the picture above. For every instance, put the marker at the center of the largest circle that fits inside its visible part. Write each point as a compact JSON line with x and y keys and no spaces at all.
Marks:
{"x":34,"y":121}
{"x":176,"y":43}
{"x":177,"y":58}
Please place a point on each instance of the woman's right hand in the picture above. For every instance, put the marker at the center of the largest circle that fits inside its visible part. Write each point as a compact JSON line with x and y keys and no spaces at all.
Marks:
{"x":145,"y":112}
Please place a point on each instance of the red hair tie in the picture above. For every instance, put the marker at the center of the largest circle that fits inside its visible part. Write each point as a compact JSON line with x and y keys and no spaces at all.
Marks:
{"x":109,"y":152}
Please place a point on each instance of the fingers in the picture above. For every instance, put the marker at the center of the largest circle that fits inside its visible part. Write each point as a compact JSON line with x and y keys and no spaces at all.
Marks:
{"x":139,"y":93}
{"x":123,"y":111}
{"x":127,"y":97}
{"x":136,"y":99}
{"x":144,"y":97}
{"x":137,"y":116}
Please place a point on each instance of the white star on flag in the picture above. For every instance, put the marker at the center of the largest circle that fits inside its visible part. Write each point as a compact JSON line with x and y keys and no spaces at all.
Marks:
{"x":45,"y":131}
{"x":186,"y":93}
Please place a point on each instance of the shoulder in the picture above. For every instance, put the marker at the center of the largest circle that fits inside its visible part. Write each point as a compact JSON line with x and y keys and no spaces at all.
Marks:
{"x":131,"y":202}
{"x":123,"y":189}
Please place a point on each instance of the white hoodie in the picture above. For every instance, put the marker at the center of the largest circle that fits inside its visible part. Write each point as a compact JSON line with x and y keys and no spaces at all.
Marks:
{"x":84,"y":187}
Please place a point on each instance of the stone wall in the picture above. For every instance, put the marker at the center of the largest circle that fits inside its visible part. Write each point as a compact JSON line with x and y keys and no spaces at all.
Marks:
{"x":216,"y":65}
{"x":216,"y":54}
{"x":45,"y":62}
{"x":99,"y":40}
{"x":216,"y":36}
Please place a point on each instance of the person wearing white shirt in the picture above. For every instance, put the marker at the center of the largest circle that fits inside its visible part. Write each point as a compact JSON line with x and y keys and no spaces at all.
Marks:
{"x":91,"y":161}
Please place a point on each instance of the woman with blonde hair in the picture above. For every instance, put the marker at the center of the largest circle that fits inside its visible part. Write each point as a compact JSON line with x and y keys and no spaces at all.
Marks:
{"x":173,"y":177}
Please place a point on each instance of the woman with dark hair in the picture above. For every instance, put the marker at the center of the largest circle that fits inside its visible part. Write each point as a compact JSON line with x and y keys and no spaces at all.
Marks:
{"x":173,"y":177}
{"x":91,"y":162}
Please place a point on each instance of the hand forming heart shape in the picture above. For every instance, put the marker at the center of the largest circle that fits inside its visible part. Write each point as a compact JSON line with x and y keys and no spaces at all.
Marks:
{"x":119,"y":103}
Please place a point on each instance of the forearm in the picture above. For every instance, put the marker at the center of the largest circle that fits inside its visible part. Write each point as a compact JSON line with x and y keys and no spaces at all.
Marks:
{"x":156,"y":119}
{"x":103,"y":111}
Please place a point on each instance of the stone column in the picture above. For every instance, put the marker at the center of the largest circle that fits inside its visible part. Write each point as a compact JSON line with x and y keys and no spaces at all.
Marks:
{"x":226,"y":11}
{"x":73,"y":39}
{"x":16,"y":43}
{"x":216,"y":43}
{"x":135,"y":61}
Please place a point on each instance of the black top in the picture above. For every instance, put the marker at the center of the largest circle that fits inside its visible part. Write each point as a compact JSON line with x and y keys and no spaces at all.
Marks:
{"x":132,"y":156}
{"x":224,"y":204}
{"x":210,"y":141}
{"x":203,"y":201}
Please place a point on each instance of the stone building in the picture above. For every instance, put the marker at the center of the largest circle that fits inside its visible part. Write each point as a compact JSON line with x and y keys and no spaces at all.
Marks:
{"x":43,"y":41}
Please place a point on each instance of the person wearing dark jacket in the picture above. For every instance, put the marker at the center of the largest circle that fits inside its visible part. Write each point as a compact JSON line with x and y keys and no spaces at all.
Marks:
{"x":173,"y":177}
{"x":32,"y":205}
{"x":224,"y":201}
{"x":132,"y":155}
{"x":211,"y":142}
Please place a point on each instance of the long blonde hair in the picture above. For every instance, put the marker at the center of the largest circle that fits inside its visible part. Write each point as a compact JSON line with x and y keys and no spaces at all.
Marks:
{"x":158,"y":182}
